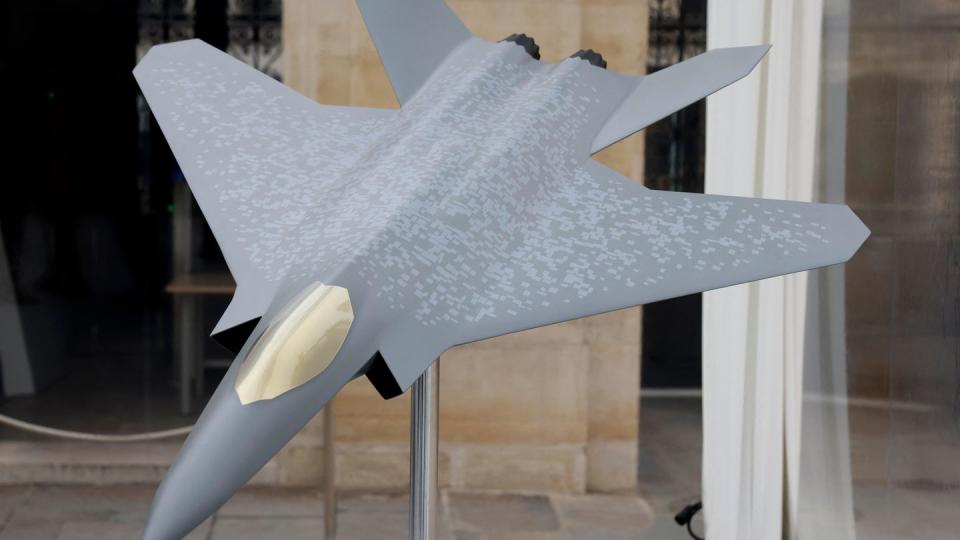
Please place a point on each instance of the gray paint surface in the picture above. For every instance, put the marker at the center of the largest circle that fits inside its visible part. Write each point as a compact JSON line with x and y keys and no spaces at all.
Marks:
{"x":473,"y":211}
{"x":659,"y":94}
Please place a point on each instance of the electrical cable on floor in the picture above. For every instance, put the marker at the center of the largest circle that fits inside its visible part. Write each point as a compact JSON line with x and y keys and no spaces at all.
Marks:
{"x":93,"y":437}
{"x":685,"y":517}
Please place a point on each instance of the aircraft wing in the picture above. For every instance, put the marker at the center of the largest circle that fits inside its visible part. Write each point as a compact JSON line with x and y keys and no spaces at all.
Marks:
{"x":413,"y":37}
{"x":662,"y":93}
{"x":255,"y":153}
{"x":596,"y":241}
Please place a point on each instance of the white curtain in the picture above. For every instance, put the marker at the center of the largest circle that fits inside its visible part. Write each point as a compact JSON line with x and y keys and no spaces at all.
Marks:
{"x":761,"y":142}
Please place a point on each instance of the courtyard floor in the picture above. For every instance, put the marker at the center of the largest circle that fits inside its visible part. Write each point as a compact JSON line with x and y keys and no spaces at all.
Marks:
{"x":119,"y":512}
{"x":905,"y":469}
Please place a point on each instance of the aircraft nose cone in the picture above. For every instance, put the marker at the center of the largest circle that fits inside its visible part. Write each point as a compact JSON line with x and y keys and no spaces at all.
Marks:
{"x":232,"y":441}
{"x":187,"y":497}
{"x":165,"y":522}
{"x":203,"y":477}
{"x":229,"y":444}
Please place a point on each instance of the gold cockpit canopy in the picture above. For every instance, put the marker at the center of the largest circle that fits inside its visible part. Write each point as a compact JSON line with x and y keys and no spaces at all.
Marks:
{"x":299,"y":344}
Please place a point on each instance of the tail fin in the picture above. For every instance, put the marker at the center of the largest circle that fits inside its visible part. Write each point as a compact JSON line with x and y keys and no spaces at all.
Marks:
{"x":412,"y":37}
{"x":671,"y":89}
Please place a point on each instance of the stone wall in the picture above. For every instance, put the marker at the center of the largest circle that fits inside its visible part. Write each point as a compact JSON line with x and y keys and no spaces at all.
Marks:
{"x":554,"y":409}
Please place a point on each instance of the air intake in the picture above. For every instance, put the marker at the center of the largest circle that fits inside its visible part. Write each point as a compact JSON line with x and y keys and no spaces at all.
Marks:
{"x":526,"y":42}
{"x":591,"y":56}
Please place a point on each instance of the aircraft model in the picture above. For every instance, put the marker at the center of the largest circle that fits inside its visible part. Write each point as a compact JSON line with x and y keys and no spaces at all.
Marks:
{"x":369,"y":241}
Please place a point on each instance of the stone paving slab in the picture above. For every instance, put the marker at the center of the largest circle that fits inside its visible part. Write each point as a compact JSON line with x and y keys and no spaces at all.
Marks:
{"x":119,"y":513}
{"x":262,"y":527}
{"x":17,"y":527}
{"x":609,"y":512}
{"x":476,"y":515}
{"x":274,"y":503}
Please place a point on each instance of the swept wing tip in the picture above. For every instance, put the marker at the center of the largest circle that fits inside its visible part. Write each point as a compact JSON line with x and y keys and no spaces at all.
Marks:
{"x":859,"y":232}
{"x":161,"y":49}
{"x":747,"y":56}
{"x":847,"y":231}
{"x":752,"y":54}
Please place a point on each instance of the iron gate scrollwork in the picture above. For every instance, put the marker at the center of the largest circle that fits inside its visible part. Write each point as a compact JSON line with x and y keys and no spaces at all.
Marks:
{"x":255,"y":33}
{"x":253,"y":27}
{"x":674,"y":155}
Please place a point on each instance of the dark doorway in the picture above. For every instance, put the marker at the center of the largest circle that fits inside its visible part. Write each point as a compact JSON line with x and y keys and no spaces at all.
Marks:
{"x":88,"y":199}
{"x":87,"y":240}
{"x":674,"y":161}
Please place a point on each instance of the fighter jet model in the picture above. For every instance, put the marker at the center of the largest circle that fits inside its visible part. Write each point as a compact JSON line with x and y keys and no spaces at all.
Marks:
{"x":368,"y":241}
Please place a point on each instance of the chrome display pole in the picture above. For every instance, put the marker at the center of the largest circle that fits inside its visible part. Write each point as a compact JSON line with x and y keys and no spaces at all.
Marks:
{"x":424,"y":435}
{"x":329,"y":475}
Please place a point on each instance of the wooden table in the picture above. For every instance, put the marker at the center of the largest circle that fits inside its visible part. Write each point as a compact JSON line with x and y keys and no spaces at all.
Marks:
{"x":186,"y":289}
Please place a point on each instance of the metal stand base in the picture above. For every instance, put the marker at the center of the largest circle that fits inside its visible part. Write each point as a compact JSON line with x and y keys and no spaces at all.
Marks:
{"x":424,"y":431}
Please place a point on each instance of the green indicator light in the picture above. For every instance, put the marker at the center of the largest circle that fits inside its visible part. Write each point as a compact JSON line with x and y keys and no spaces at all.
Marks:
{"x":171,"y":207}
